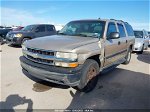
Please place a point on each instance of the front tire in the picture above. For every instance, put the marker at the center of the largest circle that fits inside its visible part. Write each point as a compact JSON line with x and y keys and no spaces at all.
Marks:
{"x":89,"y":76}
{"x":24,"y":39}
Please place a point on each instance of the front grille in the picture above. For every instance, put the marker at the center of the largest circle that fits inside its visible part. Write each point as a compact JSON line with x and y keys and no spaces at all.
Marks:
{"x":49,"y":53}
{"x":42,"y":56}
{"x":39,"y":60}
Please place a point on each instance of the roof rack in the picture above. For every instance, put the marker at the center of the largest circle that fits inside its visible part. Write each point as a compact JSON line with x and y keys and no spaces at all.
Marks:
{"x":117,"y":20}
{"x":113,"y":19}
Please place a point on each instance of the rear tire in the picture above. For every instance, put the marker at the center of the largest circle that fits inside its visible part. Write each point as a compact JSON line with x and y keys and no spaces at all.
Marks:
{"x":140,"y":52}
{"x":128,"y":57}
{"x":89,"y":77}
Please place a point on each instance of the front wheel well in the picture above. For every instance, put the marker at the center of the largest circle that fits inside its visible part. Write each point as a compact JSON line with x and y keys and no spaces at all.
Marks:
{"x":96,"y":58}
{"x":27,"y":37}
{"x":131,"y":46}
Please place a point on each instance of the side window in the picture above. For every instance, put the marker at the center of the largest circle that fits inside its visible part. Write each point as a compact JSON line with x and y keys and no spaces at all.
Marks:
{"x":50,"y":28}
{"x":121,"y":30}
{"x":145,"y":33}
{"x":41,"y":28}
{"x":111,"y":28}
{"x":129,"y":29}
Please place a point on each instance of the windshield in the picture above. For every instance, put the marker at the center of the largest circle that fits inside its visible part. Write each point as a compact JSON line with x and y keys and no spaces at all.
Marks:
{"x":28,"y":28}
{"x":138,"y":34}
{"x":84,"y":29}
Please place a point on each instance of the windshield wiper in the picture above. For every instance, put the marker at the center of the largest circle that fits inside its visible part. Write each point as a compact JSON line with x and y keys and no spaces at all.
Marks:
{"x":80,"y":34}
{"x":62,"y":34}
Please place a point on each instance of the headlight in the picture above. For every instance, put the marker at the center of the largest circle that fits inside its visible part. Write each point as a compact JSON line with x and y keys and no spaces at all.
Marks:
{"x":72,"y":56}
{"x":69,"y":56}
{"x":17,"y":35}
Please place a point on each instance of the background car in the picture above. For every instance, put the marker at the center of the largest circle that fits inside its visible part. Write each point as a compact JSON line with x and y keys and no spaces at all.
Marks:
{"x":30,"y":32}
{"x":141,"y":40}
{"x":3,"y":33}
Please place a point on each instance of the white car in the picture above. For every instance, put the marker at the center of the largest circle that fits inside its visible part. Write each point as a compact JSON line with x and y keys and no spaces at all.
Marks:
{"x":141,"y":40}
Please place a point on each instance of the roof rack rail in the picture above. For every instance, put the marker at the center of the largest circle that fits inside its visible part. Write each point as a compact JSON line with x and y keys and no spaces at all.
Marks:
{"x":121,"y":20}
{"x":126,"y":22}
{"x":113,"y":19}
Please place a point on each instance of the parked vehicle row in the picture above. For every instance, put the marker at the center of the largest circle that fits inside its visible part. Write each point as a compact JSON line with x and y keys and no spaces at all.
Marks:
{"x":81,"y":50}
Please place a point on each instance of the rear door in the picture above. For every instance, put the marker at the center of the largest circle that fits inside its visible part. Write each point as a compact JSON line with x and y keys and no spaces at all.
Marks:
{"x":123,"y":40}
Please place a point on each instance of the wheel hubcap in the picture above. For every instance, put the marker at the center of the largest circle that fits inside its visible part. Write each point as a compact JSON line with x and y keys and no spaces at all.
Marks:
{"x":129,"y":56}
{"x":91,"y":73}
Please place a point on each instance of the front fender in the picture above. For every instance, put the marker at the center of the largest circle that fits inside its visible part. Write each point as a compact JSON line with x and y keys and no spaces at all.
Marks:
{"x":87,"y":51}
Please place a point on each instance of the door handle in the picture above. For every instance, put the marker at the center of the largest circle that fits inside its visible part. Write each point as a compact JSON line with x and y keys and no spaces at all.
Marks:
{"x":119,"y":42}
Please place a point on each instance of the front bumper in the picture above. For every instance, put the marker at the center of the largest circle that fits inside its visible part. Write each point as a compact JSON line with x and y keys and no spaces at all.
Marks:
{"x":59,"y":75}
{"x":137,"y":47}
{"x":14,"y":40}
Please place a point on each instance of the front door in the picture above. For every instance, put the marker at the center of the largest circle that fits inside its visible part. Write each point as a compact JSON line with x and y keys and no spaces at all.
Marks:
{"x":112,"y":46}
{"x":40,"y":31}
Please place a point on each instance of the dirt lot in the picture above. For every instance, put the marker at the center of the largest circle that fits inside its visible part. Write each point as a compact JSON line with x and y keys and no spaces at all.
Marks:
{"x":125,"y":87}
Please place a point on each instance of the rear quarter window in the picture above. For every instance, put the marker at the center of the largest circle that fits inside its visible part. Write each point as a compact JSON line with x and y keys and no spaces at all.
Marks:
{"x":129,"y":29}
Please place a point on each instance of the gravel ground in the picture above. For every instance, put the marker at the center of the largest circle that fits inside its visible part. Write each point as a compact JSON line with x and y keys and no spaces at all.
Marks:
{"x":125,"y":87}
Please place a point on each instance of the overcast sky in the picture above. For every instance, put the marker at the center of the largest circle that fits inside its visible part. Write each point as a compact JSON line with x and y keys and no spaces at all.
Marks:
{"x":60,"y":12}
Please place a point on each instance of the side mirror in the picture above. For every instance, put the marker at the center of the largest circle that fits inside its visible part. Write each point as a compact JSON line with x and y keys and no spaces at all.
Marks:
{"x":114,"y":35}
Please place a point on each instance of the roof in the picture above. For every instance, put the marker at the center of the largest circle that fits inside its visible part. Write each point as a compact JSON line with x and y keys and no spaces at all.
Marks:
{"x":99,"y":20}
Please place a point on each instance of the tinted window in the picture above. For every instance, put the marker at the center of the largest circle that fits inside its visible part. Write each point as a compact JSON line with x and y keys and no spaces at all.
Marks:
{"x":29,"y":28}
{"x":138,"y":34}
{"x":129,"y":29}
{"x":41,"y":28}
{"x":50,"y":28}
{"x":121,"y":30}
{"x":111,"y":28}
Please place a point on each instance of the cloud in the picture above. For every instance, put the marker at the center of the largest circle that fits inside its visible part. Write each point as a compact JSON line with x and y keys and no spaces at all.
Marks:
{"x":47,"y":10}
{"x":10,"y":16}
{"x":140,"y":25}
{"x":137,"y":24}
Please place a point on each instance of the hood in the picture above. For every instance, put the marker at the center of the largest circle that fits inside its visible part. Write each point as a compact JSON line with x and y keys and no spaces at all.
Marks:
{"x":60,"y":42}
